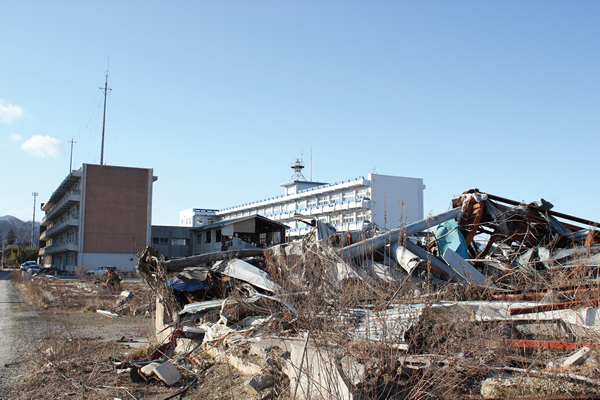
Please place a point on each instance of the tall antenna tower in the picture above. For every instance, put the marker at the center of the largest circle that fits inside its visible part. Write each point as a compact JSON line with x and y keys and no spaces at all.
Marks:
{"x":71,"y":163}
{"x":106,"y":89}
{"x":298,"y":166}
{"x":33,"y":241}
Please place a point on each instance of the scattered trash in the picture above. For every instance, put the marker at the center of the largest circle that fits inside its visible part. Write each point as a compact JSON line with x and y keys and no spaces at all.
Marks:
{"x":518,"y":277}
{"x":107,"y":313}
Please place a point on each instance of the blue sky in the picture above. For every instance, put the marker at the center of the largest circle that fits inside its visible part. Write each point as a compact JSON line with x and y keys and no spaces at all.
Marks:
{"x":220,"y":97}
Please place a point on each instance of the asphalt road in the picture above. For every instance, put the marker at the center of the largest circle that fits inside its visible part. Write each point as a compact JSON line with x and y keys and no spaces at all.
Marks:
{"x":21,"y":331}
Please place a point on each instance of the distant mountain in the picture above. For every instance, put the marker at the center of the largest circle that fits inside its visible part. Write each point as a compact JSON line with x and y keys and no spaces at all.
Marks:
{"x":8,"y":218}
{"x":8,"y":221}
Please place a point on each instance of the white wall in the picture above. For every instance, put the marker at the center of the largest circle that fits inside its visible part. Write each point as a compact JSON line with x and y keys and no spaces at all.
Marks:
{"x":396,"y":200}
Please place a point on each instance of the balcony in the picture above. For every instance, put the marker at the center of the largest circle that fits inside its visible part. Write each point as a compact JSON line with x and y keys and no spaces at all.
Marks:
{"x":58,"y":228}
{"x":71,"y":198}
{"x":59,"y":248}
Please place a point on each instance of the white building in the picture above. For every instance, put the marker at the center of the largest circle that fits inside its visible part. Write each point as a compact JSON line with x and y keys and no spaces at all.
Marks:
{"x":195,"y":217}
{"x":387,"y":201}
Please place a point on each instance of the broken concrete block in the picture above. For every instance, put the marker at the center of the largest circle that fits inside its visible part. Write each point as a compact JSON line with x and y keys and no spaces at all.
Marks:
{"x":263,"y":346}
{"x":498,"y":386}
{"x":578,"y":358}
{"x":355,"y":372}
{"x":184,"y":346}
{"x":167,"y":373}
{"x":245,"y":367}
{"x":258,"y":383}
{"x":314,"y":374}
{"x":126,"y":295}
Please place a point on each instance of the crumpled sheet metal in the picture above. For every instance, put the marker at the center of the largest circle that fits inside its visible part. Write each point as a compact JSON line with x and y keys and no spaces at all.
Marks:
{"x":585,"y":317}
{"x":466,"y":271}
{"x":246,"y":272}
{"x":559,"y":258}
{"x":404,"y":257}
{"x":389,"y":325}
{"x":382,"y":271}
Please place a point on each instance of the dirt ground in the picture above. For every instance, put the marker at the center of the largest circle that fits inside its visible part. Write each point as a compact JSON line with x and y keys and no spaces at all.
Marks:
{"x":77,"y":357}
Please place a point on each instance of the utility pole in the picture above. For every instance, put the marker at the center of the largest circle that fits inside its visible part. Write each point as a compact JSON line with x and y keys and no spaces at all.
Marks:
{"x":3,"y":247}
{"x":106,"y":89}
{"x":71,"y":163}
{"x":33,"y":241}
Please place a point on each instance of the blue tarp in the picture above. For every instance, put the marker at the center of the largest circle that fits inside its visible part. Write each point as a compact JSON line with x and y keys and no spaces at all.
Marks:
{"x":451,"y":238}
{"x":187,"y":286}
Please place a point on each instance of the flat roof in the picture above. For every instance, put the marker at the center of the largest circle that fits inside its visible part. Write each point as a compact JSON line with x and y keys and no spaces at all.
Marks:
{"x":64,"y":186}
{"x":225,"y":222}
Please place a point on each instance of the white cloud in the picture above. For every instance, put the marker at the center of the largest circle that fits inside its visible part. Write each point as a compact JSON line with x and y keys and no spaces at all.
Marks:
{"x":14,"y":137}
{"x":9,"y":112}
{"x":43,"y":146}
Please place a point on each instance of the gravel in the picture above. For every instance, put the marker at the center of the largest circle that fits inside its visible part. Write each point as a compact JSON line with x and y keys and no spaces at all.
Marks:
{"x":22,"y":333}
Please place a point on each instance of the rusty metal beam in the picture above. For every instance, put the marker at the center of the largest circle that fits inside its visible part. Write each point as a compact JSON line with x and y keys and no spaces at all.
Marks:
{"x":550,"y":212}
{"x":550,"y":344}
{"x":553,"y":307}
{"x":538,"y":295}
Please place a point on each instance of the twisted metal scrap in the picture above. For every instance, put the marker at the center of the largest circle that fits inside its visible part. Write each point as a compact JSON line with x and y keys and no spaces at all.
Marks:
{"x":151,"y":267}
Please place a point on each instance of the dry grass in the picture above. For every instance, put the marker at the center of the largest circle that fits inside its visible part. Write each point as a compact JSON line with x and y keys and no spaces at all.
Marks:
{"x":460,"y":352}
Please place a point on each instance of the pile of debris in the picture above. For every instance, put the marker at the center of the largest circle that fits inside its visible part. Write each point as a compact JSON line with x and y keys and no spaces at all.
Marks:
{"x":493,"y":298}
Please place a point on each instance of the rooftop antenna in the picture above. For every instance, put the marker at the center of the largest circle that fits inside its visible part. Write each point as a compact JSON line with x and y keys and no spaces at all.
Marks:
{"x":297,"y":166}
{"x":71,"y":164}
{"x":106,"y":90}
{"x":34,"y":194}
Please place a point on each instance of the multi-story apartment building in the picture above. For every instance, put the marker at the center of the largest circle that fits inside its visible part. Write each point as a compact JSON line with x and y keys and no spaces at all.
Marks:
{"x":98,"y":215}
{"x":387,"y":201}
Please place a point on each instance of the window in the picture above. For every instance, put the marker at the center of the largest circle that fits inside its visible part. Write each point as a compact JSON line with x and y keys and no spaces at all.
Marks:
{"x":301,"y":204}
{"x":218,"y":236}
{"x":349,"y":196}
{"x":199,"y":220}
{"x":362,"y":193}
{"x":334,"y":198}
{"x":179,"y":242}
{"x":208,"y":238}
{"x":349,"y":217}
{"x":199,"y":238}
{"x":362,"y":215}
{"x":336,"y":219}
{"x":277,"y":209}
{"x":323,"y":200}
{"x":312,"y":203}
{"x":209,"y":220}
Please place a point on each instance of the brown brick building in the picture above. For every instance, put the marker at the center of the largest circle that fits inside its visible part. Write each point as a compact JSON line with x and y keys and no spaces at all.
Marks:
{"x":98,"y":215}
